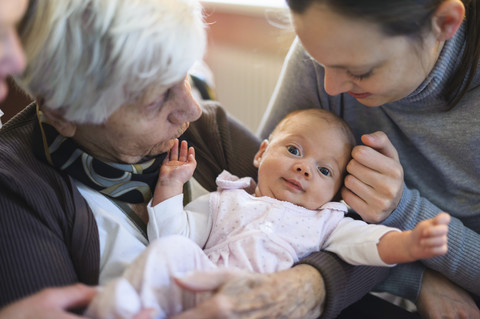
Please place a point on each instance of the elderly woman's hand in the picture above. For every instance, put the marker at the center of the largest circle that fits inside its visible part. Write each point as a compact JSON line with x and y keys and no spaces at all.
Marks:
{"x":298,"y":292}
{"x":374,"y":184}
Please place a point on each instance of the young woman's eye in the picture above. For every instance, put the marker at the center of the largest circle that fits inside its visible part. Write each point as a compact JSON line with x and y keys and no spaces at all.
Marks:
{"x":293,"y":150}
{"x":325,"y":171}
{"x":360,"y":76}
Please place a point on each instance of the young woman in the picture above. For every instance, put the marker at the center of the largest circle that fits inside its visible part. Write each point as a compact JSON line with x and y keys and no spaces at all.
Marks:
{"x":403,"y":74}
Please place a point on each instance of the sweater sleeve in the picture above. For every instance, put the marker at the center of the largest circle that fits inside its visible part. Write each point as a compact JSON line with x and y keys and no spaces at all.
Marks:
{"x":460,"y":264}
{"x":48,"y":234}
{"x":47,"y":238}
{"x":171,"y":218}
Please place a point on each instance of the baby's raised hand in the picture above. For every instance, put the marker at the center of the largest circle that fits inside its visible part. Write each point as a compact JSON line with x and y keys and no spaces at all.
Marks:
{"x":176,"y":170}
{"x":430,"y":237}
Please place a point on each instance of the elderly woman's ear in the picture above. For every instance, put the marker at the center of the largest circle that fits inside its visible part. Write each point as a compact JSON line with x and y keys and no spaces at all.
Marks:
{"x":56,"y":119}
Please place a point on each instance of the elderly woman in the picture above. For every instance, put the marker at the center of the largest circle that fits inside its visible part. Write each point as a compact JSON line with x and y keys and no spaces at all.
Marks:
{"x":78,"y":166}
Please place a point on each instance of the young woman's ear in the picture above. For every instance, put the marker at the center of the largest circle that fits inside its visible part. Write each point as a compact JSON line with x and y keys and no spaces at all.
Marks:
{"x":55,"y":118}
{"x":258,"y":157}
{"x":447,"y":19}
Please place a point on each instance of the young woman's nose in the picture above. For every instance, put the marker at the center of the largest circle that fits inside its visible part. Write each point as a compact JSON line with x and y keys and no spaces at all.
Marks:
{"x":336,"y":81}
{"x":12,"y":57}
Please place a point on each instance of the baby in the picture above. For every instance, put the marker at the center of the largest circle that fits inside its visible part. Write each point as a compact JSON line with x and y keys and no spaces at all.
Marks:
{"x":263,"y":227}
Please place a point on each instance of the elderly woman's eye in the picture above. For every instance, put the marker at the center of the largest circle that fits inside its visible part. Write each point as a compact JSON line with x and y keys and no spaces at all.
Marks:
{"x":293,"y":150}
{"x":325,"y":171}
{"x":158,"y":101}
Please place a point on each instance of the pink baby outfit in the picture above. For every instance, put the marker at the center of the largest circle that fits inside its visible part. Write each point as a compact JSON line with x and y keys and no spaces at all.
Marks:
{"x":263,"y":234}
{"x":259,"y":234}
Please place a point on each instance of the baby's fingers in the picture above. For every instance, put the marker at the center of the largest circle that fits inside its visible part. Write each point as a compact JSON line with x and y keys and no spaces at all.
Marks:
{"x":184,"y":151}
{"x":173,"y":153}
{"x":434,"y":241}
{"x":442,"y":219}
{"x":435,"y":231}
{"x":191,"y":154}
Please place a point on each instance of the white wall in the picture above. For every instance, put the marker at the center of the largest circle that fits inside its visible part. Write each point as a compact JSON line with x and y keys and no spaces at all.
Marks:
{"x":247,"y":46}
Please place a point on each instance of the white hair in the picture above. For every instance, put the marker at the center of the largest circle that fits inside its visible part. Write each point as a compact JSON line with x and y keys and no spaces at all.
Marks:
{"x":89,"y":57}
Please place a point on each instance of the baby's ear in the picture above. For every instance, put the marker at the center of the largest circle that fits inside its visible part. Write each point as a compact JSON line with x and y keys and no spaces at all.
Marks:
{"x":258,"y":157}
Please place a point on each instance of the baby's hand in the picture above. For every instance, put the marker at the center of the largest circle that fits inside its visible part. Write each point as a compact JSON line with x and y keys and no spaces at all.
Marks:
{"x":176,"y":170}
{"x":429,"y":237}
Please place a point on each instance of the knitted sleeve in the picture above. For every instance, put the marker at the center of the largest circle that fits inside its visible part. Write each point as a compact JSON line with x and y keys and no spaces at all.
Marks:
{"x":48,"y":236}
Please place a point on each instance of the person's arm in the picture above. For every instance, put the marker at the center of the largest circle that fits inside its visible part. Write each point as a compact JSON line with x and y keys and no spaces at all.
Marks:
{"x":167,"y":216}
{"x":463,"y":250}
{"x":51,"y":303}
{"x":175,"y":171}
{"x":428,"y":239}
{"x":389,"y":201}
{"x":57,"y":303}
{"x":47,"y":238}
{"x":441,"y":298}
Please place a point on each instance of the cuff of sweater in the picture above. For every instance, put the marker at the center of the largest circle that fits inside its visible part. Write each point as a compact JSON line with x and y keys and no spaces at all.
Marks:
{"x":405,"y":281}
{"x":340,"y":285}
{"x":405,"y":215}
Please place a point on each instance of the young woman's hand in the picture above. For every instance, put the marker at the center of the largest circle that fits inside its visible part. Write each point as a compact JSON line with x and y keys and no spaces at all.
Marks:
{"x":374,"y":184}
{"x":54,"y":303}
{"x":442,"y":299}
{"x":51,"y":303}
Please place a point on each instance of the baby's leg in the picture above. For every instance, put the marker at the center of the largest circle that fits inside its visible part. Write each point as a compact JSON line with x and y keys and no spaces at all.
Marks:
{"x":117,"y":300}
{"x":151,"y":273}
{"x":148,"y":283}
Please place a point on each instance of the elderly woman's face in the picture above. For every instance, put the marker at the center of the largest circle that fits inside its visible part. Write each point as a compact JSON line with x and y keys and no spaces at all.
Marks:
{"x":136,"y":131}
{"x":12,"y":58}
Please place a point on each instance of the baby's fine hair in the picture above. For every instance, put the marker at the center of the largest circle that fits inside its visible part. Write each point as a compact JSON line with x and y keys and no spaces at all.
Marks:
{"x":321,"y":114}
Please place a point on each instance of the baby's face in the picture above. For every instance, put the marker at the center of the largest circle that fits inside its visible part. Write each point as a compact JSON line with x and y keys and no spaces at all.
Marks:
{"x":303,"y":163}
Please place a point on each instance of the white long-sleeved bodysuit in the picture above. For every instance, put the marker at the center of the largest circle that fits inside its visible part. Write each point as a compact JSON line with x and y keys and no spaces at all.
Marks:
{"x":237,"y":231}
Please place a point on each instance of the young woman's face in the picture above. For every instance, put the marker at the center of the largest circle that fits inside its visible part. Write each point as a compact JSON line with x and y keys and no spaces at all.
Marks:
{"x":12,"y":58}
{"x":360,"y":60}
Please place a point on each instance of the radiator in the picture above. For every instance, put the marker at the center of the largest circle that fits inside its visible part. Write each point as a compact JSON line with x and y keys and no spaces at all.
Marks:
{"x":244,"y":81}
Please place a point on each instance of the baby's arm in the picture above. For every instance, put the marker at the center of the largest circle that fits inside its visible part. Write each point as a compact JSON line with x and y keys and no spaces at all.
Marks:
{"x":428,"y":239}
{"x":176,"y":170}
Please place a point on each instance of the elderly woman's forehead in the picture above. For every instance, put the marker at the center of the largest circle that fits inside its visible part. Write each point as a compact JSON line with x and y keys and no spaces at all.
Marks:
{"x":160,"y":89}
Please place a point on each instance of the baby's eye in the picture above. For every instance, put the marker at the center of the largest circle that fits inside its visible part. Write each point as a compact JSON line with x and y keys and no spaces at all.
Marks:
{"x":324,"y":171}
{"x":293,"y":150}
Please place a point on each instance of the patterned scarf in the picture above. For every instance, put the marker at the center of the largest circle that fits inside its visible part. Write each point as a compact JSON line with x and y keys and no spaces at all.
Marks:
{"x":131,"y":183}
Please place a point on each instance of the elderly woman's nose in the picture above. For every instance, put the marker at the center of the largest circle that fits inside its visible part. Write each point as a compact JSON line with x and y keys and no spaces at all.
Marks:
{"x":185,"y":108}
